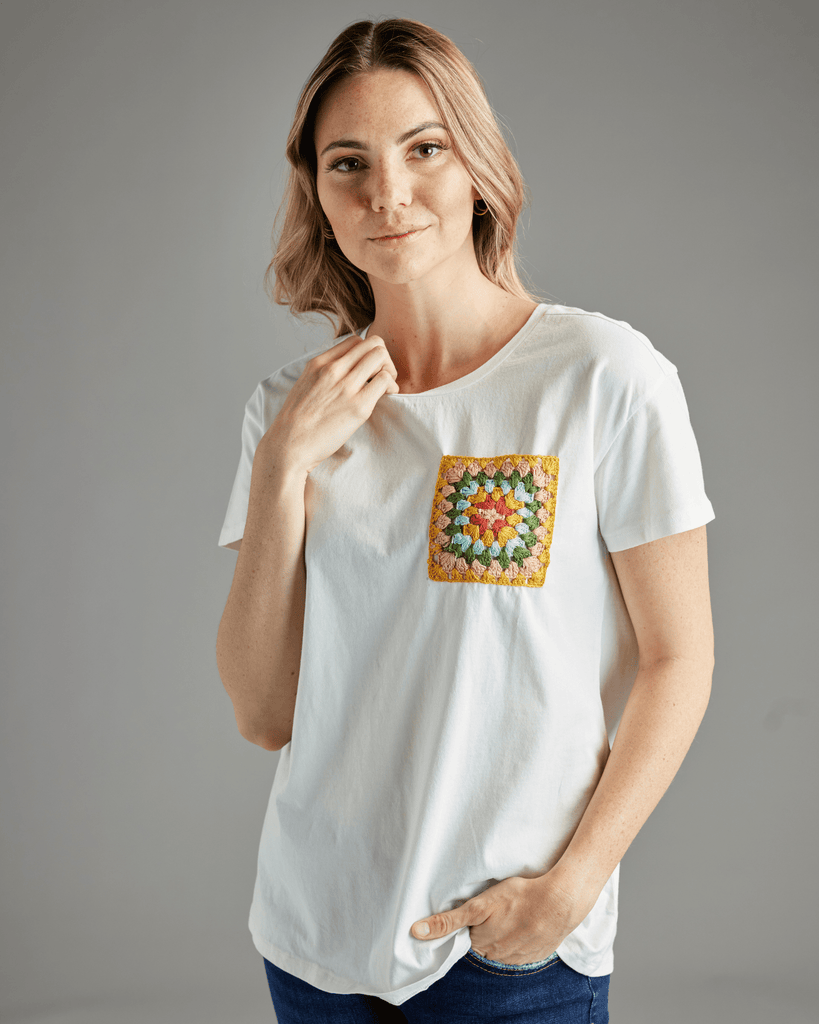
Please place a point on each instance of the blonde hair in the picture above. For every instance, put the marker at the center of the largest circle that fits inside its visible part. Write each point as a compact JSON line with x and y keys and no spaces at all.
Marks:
{"x":311,"y":272}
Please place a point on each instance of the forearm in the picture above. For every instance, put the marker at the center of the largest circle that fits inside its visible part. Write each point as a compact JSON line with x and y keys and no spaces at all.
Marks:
{"x":258,"y":647}
{"x":667,"y":704}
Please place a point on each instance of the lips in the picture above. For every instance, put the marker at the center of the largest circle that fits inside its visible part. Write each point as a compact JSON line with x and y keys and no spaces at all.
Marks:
{"x":395,"y":233}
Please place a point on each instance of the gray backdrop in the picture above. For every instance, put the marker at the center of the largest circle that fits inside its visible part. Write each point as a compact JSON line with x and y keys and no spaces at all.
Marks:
{"x":671,"y":151}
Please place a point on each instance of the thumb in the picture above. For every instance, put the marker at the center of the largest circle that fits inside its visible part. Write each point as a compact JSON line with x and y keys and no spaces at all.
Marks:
{"x":448,"y":921}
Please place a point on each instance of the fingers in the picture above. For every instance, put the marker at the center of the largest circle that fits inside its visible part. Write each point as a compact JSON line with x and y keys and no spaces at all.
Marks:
{"x":383,"y":383}
{"x":370,"y":364}
{"x":332,"y":355}
{"x":347,"y":355}
{"x":470,"y":913}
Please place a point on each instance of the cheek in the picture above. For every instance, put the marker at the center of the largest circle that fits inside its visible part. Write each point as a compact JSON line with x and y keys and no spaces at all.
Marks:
{"x":356,"y":201}
{"x":342,"y":206}
{"x":456,"y":193}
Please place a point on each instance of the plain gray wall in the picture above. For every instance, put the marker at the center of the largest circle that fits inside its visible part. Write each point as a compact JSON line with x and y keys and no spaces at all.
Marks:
{"x":671,"y":151}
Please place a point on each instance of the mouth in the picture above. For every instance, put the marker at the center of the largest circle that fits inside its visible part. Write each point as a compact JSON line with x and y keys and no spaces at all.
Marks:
{"x":398,"y":237}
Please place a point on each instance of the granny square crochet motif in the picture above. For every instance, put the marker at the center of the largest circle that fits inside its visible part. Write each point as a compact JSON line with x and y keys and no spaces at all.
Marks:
{"x":492,"y":519}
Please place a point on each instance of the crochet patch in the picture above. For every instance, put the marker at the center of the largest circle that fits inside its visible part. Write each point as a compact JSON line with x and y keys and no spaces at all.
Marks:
{"x":492,"y":519}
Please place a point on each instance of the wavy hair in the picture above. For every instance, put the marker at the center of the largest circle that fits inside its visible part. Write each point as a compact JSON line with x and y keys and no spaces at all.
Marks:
{"x":311,"y":272}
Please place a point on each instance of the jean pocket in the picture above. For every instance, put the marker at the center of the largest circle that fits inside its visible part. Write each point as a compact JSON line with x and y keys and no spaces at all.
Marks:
{"x":498,"y":965}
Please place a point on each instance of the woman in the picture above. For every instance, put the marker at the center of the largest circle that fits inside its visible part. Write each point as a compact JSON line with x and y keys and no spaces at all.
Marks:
{"x":468,"y":533}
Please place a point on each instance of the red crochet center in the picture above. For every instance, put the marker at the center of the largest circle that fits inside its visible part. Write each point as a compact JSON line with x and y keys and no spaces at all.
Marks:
{"x":497,"y":510}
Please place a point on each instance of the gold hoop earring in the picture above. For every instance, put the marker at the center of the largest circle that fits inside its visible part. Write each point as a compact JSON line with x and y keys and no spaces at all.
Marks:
{"x":476,"y":211}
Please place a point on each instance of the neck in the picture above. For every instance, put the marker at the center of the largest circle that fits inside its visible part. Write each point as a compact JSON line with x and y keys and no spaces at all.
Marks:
{"x":438,"y":333}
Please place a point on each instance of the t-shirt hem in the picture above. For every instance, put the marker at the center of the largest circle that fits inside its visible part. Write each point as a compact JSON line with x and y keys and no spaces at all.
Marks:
{"x":679,"y":522}
{"x":325,"y":980}
{"x":230,"y":535}
{"x":591,"y":968}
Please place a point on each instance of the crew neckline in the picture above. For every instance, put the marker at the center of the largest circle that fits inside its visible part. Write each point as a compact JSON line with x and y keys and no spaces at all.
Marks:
{"x":485,"y":368}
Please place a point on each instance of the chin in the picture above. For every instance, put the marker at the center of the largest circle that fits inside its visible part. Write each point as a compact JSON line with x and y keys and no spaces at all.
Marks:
{"x":398,"y":278}
{"x":403,"y":270}
{"x":392,"y":271}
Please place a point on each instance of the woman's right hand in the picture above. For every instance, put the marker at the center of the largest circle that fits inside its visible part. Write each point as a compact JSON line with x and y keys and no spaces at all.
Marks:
{"x":334,"y":395}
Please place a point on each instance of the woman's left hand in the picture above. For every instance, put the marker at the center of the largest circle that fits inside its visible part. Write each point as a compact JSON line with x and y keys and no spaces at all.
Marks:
{"x":518,"y":921}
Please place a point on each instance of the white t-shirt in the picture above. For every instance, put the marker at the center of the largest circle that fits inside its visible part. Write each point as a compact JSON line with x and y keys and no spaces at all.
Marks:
{"x":467,"y":653}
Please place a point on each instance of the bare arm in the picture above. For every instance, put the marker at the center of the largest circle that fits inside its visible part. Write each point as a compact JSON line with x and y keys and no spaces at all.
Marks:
{"x":258,"y":647}
{"x":665,"y":587}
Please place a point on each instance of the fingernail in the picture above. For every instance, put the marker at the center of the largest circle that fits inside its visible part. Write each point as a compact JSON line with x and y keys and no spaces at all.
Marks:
{"x":422,"y":929}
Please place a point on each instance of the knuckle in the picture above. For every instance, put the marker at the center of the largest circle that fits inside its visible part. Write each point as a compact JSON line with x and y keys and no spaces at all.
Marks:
{"x":332,"y":371}
{"x":437,"y":923}
{"x":361,"y":405}
{"x":475,"y":910}
{"x":377,"y":344}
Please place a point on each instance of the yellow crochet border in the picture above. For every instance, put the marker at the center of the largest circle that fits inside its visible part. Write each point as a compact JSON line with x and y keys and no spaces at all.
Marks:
{"x":461,"y":572}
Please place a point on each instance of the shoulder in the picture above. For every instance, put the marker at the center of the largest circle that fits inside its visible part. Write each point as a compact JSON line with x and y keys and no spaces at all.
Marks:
{"x":595,"y":359}
{"x":595,"y":340}
{"x":270,"y":393}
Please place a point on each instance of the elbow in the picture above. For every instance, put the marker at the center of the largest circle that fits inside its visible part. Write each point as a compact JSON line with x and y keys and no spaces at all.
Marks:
{"x":710,"y":680}
{"x":266,"y":742}
{"x":252,"y":727}
{"x":262,"y":737}
{"x":706,"y":676}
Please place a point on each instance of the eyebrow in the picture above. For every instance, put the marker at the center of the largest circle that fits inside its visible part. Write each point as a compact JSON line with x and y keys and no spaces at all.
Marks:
{"x":353,"y":144}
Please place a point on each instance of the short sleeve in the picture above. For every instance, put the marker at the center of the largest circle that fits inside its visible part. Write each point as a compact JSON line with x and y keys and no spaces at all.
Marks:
{"x":253,"y":429}
{"x":261,"y":409}
{"x":649,"y":483}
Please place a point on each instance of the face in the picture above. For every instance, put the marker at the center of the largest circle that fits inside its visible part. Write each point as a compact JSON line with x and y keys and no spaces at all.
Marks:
{"x":397,"y":198}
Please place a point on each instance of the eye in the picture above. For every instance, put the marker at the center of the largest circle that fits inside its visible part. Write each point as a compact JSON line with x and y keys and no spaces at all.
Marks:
{"x":430,"y":145}
{"x":338,"y":165}
{"x":351,"y":164}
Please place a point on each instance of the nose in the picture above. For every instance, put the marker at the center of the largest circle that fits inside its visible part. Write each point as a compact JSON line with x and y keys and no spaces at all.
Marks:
{"x":390,"y":186}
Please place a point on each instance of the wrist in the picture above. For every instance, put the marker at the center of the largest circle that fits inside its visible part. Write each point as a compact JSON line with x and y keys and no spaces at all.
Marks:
{"x":584,"y":866}
{"x":278,"y":462}
{"x":558,"y":907}
{"x":579,"y":887}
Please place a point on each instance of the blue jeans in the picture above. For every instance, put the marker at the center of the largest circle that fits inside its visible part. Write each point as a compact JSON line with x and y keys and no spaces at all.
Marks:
{"x":474,"y":989}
